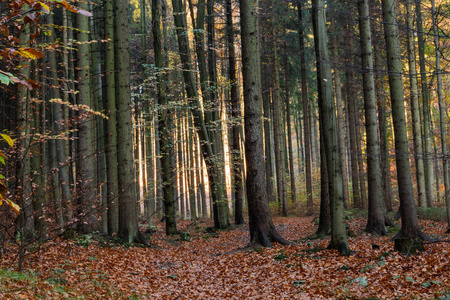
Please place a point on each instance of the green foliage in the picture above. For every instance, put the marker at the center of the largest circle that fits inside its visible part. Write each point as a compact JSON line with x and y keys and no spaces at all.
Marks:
{"x":280,"y":256}
{"x":434,"y":214}
{"x":185,"y":236}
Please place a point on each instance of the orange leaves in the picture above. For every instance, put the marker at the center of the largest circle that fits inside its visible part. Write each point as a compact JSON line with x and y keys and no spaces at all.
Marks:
{"x":211,"y":267}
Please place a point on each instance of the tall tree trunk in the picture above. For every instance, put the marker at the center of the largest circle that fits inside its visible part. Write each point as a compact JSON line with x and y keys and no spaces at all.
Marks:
{"x":237,"y":121}
{"x":428,"y":152}
{"x":164,"y":126}
{"x":417,"y":131}
{"x":385,"y":162}
{"x":289,"y":132}
{"x":86,"y":158}
{"x":262,"y":229}
{"x":306,"y":115}
{"x":329,"y":130}
{"x":442,"y":113}
{"x":220,"y":201}
{"x":324,"y":213}
{"x":279,"y":136}
{"x":410,"y":226}
{"x":340,"y":116}
{"x":24,"y":183}
{"x":128,"y":217}
{"x":111,"y":129}
{"x":376,"y":219}
{"x":351,"y":104}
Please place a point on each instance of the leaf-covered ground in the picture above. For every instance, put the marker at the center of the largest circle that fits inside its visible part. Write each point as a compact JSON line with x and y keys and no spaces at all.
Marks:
{"x":210,"y":266}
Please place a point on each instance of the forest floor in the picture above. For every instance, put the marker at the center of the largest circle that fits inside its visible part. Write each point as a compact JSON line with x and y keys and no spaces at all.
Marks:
{"x":209,"y":265}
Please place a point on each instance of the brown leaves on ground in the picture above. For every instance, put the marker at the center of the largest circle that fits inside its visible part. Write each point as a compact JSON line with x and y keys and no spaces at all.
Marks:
{"x":211,"y":266}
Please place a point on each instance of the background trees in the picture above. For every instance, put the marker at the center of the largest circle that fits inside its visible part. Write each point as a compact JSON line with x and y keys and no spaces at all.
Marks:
{"x":131,"y":124}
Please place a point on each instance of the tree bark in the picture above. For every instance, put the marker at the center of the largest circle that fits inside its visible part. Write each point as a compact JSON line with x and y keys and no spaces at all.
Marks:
{"x":262,"y":229}
{"x":86,"y":158}
{"x":128,"y":217}
{"x":306,"y":114}
{"x":376,"y":219}
{"x":237,"y":162}
{"x":410,"y":226}
{"x":329,"y":130}
{"x":428,"y":152}
{"x":442,"y":112}
{"x":414,"y":95}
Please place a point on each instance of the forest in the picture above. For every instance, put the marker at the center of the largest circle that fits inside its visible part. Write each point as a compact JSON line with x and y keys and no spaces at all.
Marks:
{"x":206,"y":149}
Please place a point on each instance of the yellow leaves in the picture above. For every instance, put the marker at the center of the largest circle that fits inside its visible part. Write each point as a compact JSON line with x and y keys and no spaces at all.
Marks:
{"x":9,"y":140}
{"x":13,"y":205}
{"x":79,"y":107}
{"x":44,"y":7}
{"x":30,"y":53}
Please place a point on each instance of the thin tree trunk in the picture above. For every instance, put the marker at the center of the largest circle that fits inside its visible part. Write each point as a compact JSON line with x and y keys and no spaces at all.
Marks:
{"x":340,"y":117}
{"x":410,"y":226}
{"x":417,"y":131}
{"x":428,"y":154}
{"x":306,"y":115}
{"x":289,"y":133}
{"x":164,"y":126}
{"x":111,"y":129}
{"x":236,"y":157}
{"x":376,"y":219}
{"x":329,"y":130}
{"x":442,"y":111}
{"x":279,"y":136}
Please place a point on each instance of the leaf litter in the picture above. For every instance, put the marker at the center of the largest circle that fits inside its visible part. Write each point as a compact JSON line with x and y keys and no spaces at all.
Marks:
{"x":216,"y":265}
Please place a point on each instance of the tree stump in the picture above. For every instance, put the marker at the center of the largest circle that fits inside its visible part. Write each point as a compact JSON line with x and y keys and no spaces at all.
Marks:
{"x":408,"y":245}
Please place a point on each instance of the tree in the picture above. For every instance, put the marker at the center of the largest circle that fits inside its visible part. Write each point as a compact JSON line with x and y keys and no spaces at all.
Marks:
{"x":376,"y":219}
{"x":236,"y":115}
{"x":111,"y":129}
{"x":329,"y":130}
{"x":410,"y":227}
{"x":428,"y":162}
{"x":441,"y":113}
{"x":414,"y":95}
{"x":128,"y":219}
{"x":262,"y":230}
{"x":306,"y":115}
{"x":86,"y":158}
{"x":164,"y":126}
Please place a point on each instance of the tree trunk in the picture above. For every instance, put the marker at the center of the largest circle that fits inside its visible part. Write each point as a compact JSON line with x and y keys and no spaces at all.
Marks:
{"x":385,"y":162}
{"x":329,"y":130}
{"x":111,"y":130}
{"x":340,"y":117}
{"x":410,"y":226}
{"x":376,"y":219}
{"x":86,"y":158}
{"x":306,"y":115}
{"x":262,"y":230}
{"x":279,"y":136}
{"x":128,"y":217}
{"x":289,"y":133}
{"x":325,"y":213}
{"x":164,"y":126}
{"x":236,"y":157}
{"x":428,"y":152}
{"x":417,"y":131}
{"x":442,"y":112}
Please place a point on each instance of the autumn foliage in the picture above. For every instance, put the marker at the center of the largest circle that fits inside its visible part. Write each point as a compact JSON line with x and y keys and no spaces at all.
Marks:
{"x":205,"y":264}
